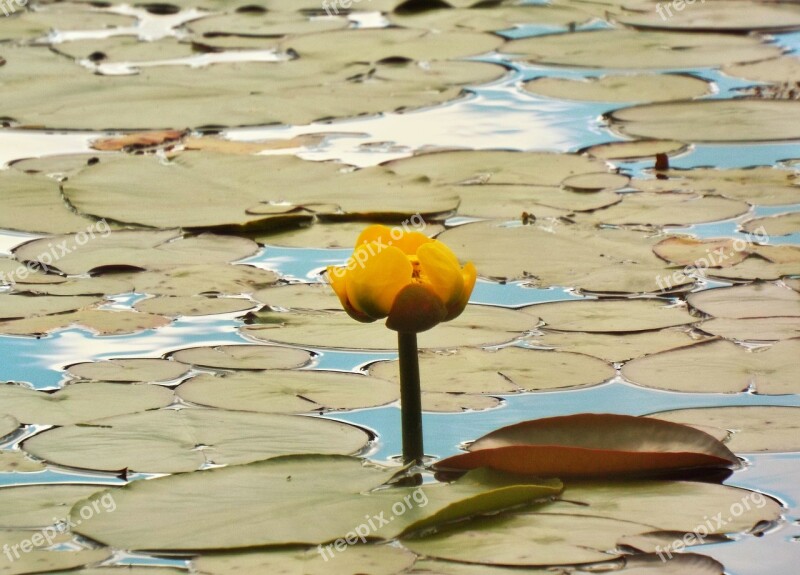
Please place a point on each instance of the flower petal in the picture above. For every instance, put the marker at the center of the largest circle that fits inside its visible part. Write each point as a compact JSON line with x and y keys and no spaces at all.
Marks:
{"x":374,"y":233}
{"x":441,"y":272}
{"x":410,"y":242}
{"x":336,"y":279}
{"x":416,"y":308}
{"x":376,"y":278}
{"x":470,"y":275}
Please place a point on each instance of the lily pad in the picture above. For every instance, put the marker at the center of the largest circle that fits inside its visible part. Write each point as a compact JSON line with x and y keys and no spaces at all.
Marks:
{"x":761,"y":185}
{"x":495,"y":167}
{"x":137,"y":249}
{"x":191,"y":280}
{"x":609,"y":316}
{"x":727,"y":368}
{"x":781,"y":225}
{"x":99,"y":321}
{"x":80,"y":402}
{"x":318,"y":296}
{"x":783,"y":69}
{"x":666,"y":209}
{"x":616,"y":88}
{"x":686,"y":251}
{"x":457,"y":402}
{"x":174,"y":441}
{"x":193,"y":305}
{"x":511,"y":201}
{"x":478,"y":325}
{"x":33,"y":203}
{"x":598,"y":260}
{"x":242,"y":357}
{"x":749,"y":301}
{"x":75,"y":286}
{"x":617,"y":347}
{"x":590,"y":445}
{"x":620,"y":48}
{"x":39,"y":560}
{"x":360,"y":559}
{"x":753,"y":329}
{"x":339,"y":235}
{"x":288,"y":391}
{"x":635,"y":149}
{"x":750,"y":429}
{"x":8,"y":425}
{"x":129,"y":370}
{"x":739,"y":16}
{"x":328,"y":497}
{"x":14,"y":306}
{"x":507,"y":370}
{"x":16,"y":461}
{"x":595,"y":182}
{"x":232,"y":191}
{"x":29,"y":506}
{"x":35,"y":24}
{"x":755,"y":269}
{"x":138,"y":141}
{"x":712,"y":120}
{"x":501,"y":16}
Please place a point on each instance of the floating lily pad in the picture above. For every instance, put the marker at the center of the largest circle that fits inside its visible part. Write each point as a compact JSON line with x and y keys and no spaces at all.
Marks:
{"x":359,"y":559}
{"x":685,"y":251}
{"x":478,"y":325}
{"x":781,"y":225}
{"x":754,"y":300}
{"x":598,"y":260}
{"x":33,"y":203}
{"x":241,"y":357}
{"x":317,"y":296}
{"x":590,"y":522}
{"x":102,"y":322}
{"x":635,"y":149}
{"x":761,"y":185}
{"x":590,"y":445}
{"x":495,"y":167}
{"x":190,"y":280}
{"x":8,"y":425}
{"x":35,"y":24}
{"x":727,"y":368}
{"x":29,"y":506}
{"x":619,"y":48}
{"x":753,"y":329}
{"x":712,"y":120}
{"x":783,"y":69}
{"x":239,"y":191}
{"x":170,"y":441}
{"x":750,"y":429}
{"x":511,"y":201}
{"x":76,"y":286}
{"x":595,"y":182}
{"x":12,"y":271}
{"x":57,"y":166}
{"x":457,"y":402}
{"x":193,"y":305}
{"x":288,"y":391}
{"x":138,"y":249}
{"x":682,"y":564}
{"x":501,"y":16}
{"x":128,"y":570}
{"x":740,"y":16}
{"x":81,"y":402}
{"x":40,"y":560}
{"x":755,"y":269}
{"x":16,"y":461}
{"x":331,"y":235}
{"x":328,"y":497}
{"x":668,"y":209}
{"x":129,"y":370}
{"x":617,"y":347}
{"x":609,"y":316}
{"x":117,"y":49}
{"x":507,"y":370}
{"x":13,"y":306}
{"x":615,"y":88}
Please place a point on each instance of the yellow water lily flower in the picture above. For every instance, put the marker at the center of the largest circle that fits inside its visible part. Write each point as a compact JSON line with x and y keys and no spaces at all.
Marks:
{"x":414,"y":281}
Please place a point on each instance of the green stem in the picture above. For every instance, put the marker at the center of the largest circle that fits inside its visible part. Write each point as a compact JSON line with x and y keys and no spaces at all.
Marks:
{"x":410,"y":399}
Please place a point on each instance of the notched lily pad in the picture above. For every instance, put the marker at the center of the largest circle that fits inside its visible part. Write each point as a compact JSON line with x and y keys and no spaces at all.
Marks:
{"x":241,"y":357}
{"x":134,"y":370}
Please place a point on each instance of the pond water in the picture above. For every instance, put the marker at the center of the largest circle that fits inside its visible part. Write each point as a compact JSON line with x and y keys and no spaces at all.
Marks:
{"x":495,"y":115}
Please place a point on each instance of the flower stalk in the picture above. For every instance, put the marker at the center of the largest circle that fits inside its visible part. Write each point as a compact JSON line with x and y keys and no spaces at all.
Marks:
{"x":410,"y":398}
